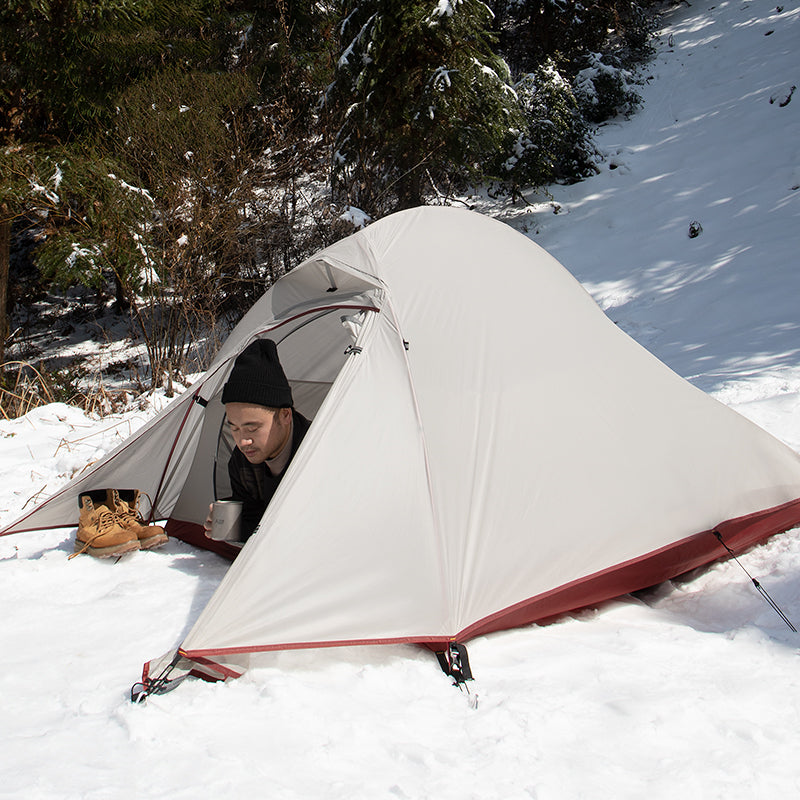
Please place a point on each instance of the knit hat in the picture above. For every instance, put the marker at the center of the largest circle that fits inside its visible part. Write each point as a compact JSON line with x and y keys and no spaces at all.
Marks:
{"x":257,"y":377}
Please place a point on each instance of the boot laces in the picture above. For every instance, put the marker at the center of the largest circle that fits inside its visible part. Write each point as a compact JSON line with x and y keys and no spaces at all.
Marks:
{"x":105,"y":520}
{"x":126,"y":514}
{"x":131,"y":512}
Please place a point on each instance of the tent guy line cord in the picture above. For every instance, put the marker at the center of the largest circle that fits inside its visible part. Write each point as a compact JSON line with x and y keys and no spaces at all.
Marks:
{"x":758,"y":586}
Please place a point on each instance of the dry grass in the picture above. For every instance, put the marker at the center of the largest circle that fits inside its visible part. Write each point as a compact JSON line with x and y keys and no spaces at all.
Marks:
{"x":23,"y":387}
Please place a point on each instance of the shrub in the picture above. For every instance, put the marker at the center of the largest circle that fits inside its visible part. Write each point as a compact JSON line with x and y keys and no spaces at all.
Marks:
{"x":604,"y":90}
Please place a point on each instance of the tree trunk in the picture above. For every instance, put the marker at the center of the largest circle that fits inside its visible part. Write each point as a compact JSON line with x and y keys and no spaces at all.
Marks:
{"x":5,"y":261}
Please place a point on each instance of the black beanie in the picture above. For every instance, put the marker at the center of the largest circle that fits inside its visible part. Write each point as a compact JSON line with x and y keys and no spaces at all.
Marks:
{"x":257,"y":377}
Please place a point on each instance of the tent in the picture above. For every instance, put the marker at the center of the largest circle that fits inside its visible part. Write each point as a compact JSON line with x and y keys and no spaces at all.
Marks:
{"x":487,"y":450}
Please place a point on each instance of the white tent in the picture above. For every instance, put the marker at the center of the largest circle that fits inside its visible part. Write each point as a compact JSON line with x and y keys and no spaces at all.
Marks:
{"x":487,"y":449}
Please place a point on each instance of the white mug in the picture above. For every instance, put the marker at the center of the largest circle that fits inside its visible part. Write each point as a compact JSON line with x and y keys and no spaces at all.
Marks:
{"x":226,"y":520}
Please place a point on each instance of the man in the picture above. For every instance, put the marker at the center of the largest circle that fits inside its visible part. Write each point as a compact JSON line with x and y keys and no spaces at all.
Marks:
{"x":266,"y":429}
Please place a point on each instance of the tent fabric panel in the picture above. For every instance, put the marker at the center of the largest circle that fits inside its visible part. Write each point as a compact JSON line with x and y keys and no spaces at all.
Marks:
{"x":509,"y":407}
{"x":477,"y":388}
{"x":675,"y":468}
{"x":295,"y":295}
{"x":311,"y":348}
{"x":138,"y":462}
{"x":194,"y":472}
{"x":668,"y":562}
{"x":315,"y":278}
{"x":347,"y":550}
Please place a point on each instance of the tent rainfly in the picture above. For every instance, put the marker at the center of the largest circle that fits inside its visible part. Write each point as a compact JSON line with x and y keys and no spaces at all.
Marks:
{"x":487,"y":450}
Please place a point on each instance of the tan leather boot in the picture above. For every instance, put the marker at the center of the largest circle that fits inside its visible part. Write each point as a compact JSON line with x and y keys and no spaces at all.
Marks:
{"x":99,"y":531}
{"x":125,"y":504}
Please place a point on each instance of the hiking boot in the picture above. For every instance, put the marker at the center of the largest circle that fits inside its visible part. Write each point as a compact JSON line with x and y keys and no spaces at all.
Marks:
{"x":125,"y":504}
{"x":99,"y":531}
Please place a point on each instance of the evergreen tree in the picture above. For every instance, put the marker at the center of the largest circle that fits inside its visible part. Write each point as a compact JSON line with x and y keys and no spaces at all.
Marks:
{"x":63,"y":61}
{"x":533,"y":31}
{"x":421,"y":97}
{"x":287,"y":46}
{"x":568,"y":60}
{"x":568,"y":31}
{"x":552,"y":145}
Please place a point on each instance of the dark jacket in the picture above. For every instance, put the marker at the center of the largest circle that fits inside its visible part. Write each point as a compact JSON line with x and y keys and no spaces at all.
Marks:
{"x":254,"y":484}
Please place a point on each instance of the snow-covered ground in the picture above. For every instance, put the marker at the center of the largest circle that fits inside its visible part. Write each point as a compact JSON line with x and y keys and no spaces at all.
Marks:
{"x":691,"y":689}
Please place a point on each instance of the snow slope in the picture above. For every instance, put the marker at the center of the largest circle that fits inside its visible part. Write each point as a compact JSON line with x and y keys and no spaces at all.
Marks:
{"x":689,"y":689}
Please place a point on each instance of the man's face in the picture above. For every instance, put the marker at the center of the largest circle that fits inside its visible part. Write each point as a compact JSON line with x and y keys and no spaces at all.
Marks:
{"x":259,"y":432}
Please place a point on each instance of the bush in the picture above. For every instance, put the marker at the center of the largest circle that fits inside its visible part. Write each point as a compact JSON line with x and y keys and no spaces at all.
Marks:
{"x":604,"y":90}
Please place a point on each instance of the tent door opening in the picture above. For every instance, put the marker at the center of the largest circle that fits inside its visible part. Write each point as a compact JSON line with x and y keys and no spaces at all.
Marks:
{"x":312,"y":354}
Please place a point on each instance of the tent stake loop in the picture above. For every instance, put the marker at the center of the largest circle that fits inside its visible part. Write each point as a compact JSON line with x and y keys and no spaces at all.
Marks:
{"x":158,"y":685}
{"x":455,"y":662}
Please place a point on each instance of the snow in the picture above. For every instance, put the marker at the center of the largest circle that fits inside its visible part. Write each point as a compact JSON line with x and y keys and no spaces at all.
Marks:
{"x":689,"y":689}
{"x":356,"y":217}
{"x":444,"y":8}
{"x":133,"y":189}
